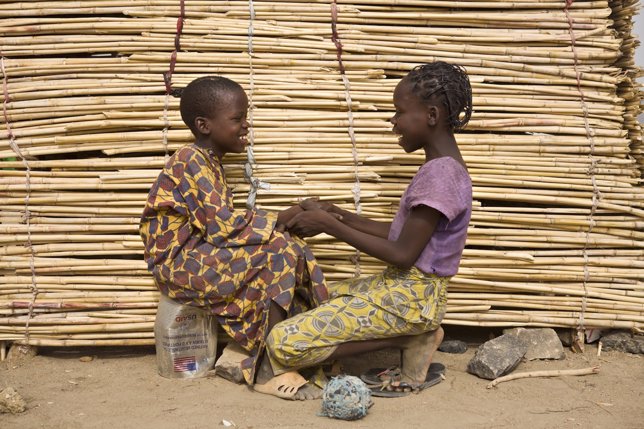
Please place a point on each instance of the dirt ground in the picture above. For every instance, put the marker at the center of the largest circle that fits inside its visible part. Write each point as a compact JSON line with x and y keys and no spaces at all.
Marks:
{"x":120,"y":388}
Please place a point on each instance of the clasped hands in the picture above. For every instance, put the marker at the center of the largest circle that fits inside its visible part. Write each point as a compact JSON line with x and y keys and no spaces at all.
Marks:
{"x":314,"y":218}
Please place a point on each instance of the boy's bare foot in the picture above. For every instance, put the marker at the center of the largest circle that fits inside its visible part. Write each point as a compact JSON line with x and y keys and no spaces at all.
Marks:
{"x":417,"y":355}
{"x":307,"y":392}
{"x":285,"y":386}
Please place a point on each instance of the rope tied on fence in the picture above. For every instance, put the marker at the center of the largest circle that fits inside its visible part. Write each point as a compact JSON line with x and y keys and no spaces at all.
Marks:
{"x":356,"y":188}
{"x":167,"y":76}
{"x":27,"y":215}
{"x":596,"y":195}
{"x":255,"y":183}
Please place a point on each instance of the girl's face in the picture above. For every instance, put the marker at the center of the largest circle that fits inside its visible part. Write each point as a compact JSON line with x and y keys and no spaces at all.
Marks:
{"x":412,"y":119}
{"x":227,"y":128}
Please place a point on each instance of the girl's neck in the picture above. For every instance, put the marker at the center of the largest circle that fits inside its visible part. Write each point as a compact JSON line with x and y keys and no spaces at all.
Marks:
{"x":444,"y":145}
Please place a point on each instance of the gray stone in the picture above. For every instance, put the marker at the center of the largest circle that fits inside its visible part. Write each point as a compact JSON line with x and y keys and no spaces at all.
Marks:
{"x":566,"y":336}
{"x":497,"y":357}
{"x":11,"y":401}
{"x":453,"y":346}
{"x":228,"y":365}
{"x":543,"y":343}
{"x":623,"y":341}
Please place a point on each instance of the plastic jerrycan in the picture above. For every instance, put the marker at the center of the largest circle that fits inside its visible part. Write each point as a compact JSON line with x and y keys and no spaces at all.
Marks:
{"x":185,"y":338}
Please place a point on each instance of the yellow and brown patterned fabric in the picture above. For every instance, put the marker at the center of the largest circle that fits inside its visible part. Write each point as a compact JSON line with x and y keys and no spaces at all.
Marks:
{"x":204,"y":253}
{"x":393,"y":303}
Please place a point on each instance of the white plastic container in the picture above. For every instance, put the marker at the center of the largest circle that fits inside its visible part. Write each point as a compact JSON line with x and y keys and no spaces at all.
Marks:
{"x":186,"y":340}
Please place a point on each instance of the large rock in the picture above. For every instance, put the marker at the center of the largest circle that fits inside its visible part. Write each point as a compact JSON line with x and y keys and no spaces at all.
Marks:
{"x":497,"y":357}
{"x":623,"y":341}
{"x":228,"y":365}
{"x":542,"y":343}
{"x":11,"y":401}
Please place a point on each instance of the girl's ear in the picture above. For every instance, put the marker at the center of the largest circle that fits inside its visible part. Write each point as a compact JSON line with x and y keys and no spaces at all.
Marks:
{"x":433,"y":115}
{"x":202,"y":125}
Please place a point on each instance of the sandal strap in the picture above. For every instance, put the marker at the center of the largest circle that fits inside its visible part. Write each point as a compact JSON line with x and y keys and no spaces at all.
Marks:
{"x":391,"y":372}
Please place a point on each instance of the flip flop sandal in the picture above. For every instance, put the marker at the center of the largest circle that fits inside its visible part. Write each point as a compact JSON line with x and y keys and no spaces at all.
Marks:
{"x":373,"y":377}
{"x":404,"y":389}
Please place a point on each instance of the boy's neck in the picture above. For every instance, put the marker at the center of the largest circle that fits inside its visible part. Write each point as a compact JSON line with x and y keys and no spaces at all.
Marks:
{"x":206,"y":146}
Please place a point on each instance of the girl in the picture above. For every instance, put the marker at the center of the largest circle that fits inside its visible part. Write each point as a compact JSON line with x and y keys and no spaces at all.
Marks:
{"x":202,"y":252}
{"x":403,"y":306}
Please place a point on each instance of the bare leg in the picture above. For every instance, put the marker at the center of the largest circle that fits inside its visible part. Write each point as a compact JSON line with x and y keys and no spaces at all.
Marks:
{"x":417,"y":352}
{"x":353,"y":348}
{"x":417,"y":355}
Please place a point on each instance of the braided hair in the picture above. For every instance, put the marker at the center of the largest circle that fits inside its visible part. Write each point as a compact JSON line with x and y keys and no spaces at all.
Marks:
{"x":202,"y":96}
{"x":449,"y":82}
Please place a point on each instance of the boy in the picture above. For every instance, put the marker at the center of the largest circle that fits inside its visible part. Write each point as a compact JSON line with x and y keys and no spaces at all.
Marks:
{"x":203,"y":252}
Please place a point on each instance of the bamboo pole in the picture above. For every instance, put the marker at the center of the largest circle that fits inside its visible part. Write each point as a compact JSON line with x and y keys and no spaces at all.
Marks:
{"x":548,"y":373}
{"x":557,"y":176}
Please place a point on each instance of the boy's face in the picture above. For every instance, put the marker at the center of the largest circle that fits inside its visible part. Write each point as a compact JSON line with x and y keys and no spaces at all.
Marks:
{"x":226,"y":129}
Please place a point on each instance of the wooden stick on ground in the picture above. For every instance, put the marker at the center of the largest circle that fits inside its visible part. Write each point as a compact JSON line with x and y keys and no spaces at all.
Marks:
{"x":551,"y":373}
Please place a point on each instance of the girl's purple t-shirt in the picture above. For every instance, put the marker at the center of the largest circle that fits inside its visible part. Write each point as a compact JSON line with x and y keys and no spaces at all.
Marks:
{"x":443,"y":184}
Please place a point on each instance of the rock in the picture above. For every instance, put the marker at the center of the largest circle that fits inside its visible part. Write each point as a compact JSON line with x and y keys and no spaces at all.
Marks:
{"x":623,"y":341}
{"x":229,"y":363}
{"x":497,"y":357}
{"x":453,"y":346}
{"x":86,"y":358}
{"x":11,"y":401}
{"x":593,"y":334}
{"x":19,"y":354}
{"x":566,"y":336}
{"x":543,"y":343}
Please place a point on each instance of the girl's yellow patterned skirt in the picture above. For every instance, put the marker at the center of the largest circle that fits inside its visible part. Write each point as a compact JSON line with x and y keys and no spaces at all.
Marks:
{"x":393,"y":303}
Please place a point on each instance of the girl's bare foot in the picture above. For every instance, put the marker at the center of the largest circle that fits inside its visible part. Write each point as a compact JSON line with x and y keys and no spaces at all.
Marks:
{"x":417,"y":355}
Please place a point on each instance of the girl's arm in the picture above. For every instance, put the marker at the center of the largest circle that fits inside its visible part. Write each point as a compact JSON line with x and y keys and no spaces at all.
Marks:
{"x":363,"y":224}
{"x":366,"y":225}
{"x":403,"y":252}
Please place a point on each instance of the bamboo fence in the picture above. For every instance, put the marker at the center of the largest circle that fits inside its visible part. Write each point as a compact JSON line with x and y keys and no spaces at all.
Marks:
{"x":554,"y":147}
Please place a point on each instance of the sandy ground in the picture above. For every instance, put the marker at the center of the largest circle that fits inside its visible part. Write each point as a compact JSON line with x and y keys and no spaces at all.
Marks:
{"x":120,"y":388}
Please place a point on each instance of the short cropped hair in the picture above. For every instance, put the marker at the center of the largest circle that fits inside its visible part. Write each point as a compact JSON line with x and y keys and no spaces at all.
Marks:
{"x":202,"y":96}
{"x":448,"y":81}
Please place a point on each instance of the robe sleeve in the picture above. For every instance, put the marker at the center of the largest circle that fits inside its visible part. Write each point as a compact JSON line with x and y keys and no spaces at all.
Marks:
{"x":195,"y":189}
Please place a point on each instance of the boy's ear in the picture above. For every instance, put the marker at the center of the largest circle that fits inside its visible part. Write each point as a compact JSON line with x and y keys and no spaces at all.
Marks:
{"x":202,"y":125}
{"x":433,"y":115}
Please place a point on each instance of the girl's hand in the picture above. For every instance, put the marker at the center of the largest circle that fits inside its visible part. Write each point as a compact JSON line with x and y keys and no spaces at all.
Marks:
{"x":314,"y":203}
{"x":311,"y":222}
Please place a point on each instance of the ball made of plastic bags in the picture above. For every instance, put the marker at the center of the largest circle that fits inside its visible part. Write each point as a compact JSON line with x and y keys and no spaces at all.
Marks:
{"x":346,"y":397}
